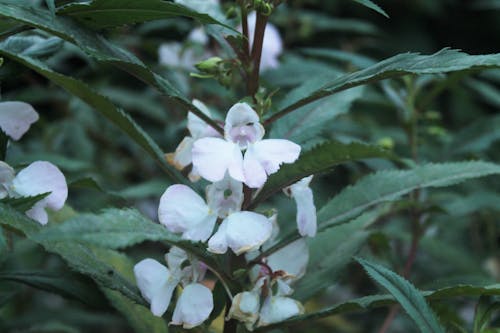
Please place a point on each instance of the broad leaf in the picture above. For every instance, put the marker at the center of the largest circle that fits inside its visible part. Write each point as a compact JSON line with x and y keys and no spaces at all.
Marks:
{"x":375,"y":301}
{"x":62,"y":283}
{"x":444,"y":61}
{"x":14,"y":50}
{"x":112,"y":13}
{"x":389,"y":185}
{"x":319,"y":159}
{"x":406,"y":294}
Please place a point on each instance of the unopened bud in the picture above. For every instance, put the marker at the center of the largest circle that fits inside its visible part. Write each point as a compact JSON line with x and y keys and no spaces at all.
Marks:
{"x":211,"y":65}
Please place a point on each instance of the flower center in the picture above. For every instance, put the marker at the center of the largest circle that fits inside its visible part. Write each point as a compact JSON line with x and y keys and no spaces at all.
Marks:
{"x":244,"y":134}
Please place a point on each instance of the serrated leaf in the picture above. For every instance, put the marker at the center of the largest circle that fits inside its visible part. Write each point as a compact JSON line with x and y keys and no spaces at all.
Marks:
{"x":411,"y":299}
{"x":24,"y":203}
{"x":370,"y":4}
{"x":96,"y":47}
{"x":111,"y":13}
{"x":444,"y":61}
{"x":389,"y":185}
{"x":319,"y":159}
{"x":485,"y":308}
{"x":375,"y":301}
{"x":62,"y":283}
{"x":14,"y":50}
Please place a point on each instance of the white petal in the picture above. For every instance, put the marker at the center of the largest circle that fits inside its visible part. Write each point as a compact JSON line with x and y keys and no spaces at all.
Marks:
{"x":273,"y":152}
{"x":181,"y":158}
{"x":201,"y":231}
{"x":38,"y":213}
{"x":306,"y":211}
{"x":193,"y":306}
{"x":247,"y":231}
{"x":155,"y":283}
{"x":255,"y":174}
{"x":198,"y":35}
{"x":197,"y":127}
{"x":170,"y":54}
{"x":181,"y":208}
{"x":278,"y":308}
{"x":284,"y":288}
{"x":225,"y":196}
{"x":7,"y":175}
{"x":175,"y":257}
{"x":218,"y":242}
{"x":245,"y":308}
{"x":242,"y":125}
{"x":16,"y":118}
{"x":212,"y":157}
{"x":292,"y":259}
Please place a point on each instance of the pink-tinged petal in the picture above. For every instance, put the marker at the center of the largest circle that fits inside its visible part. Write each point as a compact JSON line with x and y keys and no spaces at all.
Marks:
{"x":16,"y":118}
{"x":218,"y":242}
{"x":155,"y":283}
{"x":181,"y":158}
{"x":292,"y":259}
{"x":271,"y":153}
{"x":181,"y":208}
{"x":279,"y":308}
{"x":212,"y":157}
{"x":193,"y":306}
{"x":7,"y":175}
{"x":225,"y":197}
{"x":201,"y":231}
{"x":242,"y":125}
{"x":247,"y":231}
{"x":255,"y":174}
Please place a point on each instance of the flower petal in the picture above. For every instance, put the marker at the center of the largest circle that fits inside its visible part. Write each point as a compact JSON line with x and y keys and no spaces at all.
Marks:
{"x":273,"y":152}
{"x":212,"y":157}
{"x":175,"y":257}
{"x":225,"y":197}
{"x":196,"y":126}
{"x":242,"y":125}
{"x":151,"y":277}
{"x":218,"y":242}
{"x":181,"y":208}
{"x":201,"y":231}
{"x":306,"y":211}
{"x":247,"y":231}
{"x":38,"y":213}
{"x":292,"y":259}
{"x":245,"y":308}
{"x":193,"y":306}
{"x":279,"y":308}
{"x":181,"y":158}
{"x":7,"y":175}
{"x":16,"y":118}
{"x":255,"y":174}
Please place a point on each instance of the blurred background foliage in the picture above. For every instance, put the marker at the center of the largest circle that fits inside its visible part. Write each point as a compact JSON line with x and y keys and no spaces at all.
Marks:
{"x":458,"y":119}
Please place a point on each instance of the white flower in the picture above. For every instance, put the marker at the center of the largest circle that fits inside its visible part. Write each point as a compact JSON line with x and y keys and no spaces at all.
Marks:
{"x":292,"y":259}
{"x":213,"y":157}
{"x":272,"y":45}
{"x":7,"y":175}
{"x":241,"y":232}
{"x":197,"y":129}
{"x":38,"y":178}
{"x":245,"y":308}
{"x":193,"y":306}
{"x":156,"y":284}
{"x":16,"y":118}
{"x":306,"y":211}
{"x":182,"y":210}
{"x":278,"y":308}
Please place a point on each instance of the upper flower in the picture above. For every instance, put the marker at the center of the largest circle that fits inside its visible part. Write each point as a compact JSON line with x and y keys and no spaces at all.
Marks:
{"x":213,"y":157}
{"x":38,"y":178}
{"x":16,"y":118}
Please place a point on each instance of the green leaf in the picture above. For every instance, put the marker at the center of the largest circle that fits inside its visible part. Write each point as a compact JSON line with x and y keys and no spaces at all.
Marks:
{"x":52,"y":6}
{"x":476,"y":137}
{"x":111,"y":13}
{"x":444,"y":61}
{"x":342,"y":243}
{"x":14,"y":50}
{"x":68,"y":285}
{"x":95,"y":46}
{"x":370,"y":4}
{"x":389,"y":185}
{"x":24,"y":203}
{"x":375,"y":301}
{"x":485,"y":308}
{"x":319,"y":159}
{"x":406,"y":294}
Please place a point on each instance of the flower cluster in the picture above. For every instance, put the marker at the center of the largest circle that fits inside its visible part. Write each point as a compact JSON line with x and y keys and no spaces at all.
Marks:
{"x":235,"y":163}
{"x":40,"y":177}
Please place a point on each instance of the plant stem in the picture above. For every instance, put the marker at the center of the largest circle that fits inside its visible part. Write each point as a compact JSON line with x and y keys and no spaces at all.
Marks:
{"x":258,"y":40}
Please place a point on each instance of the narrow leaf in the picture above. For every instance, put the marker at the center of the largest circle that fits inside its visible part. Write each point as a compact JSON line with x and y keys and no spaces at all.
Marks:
{"x":370,"y":4}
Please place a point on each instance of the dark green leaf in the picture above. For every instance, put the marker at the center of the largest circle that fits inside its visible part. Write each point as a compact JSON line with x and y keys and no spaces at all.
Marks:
{"x":370,"y":4}
{"x":320,"y":159}
{"x":444,"y":61}
{"x":406,"y":294}
{"x":24,"y":203}
{"x":111,"y":13}
{"x":485,"y":308}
